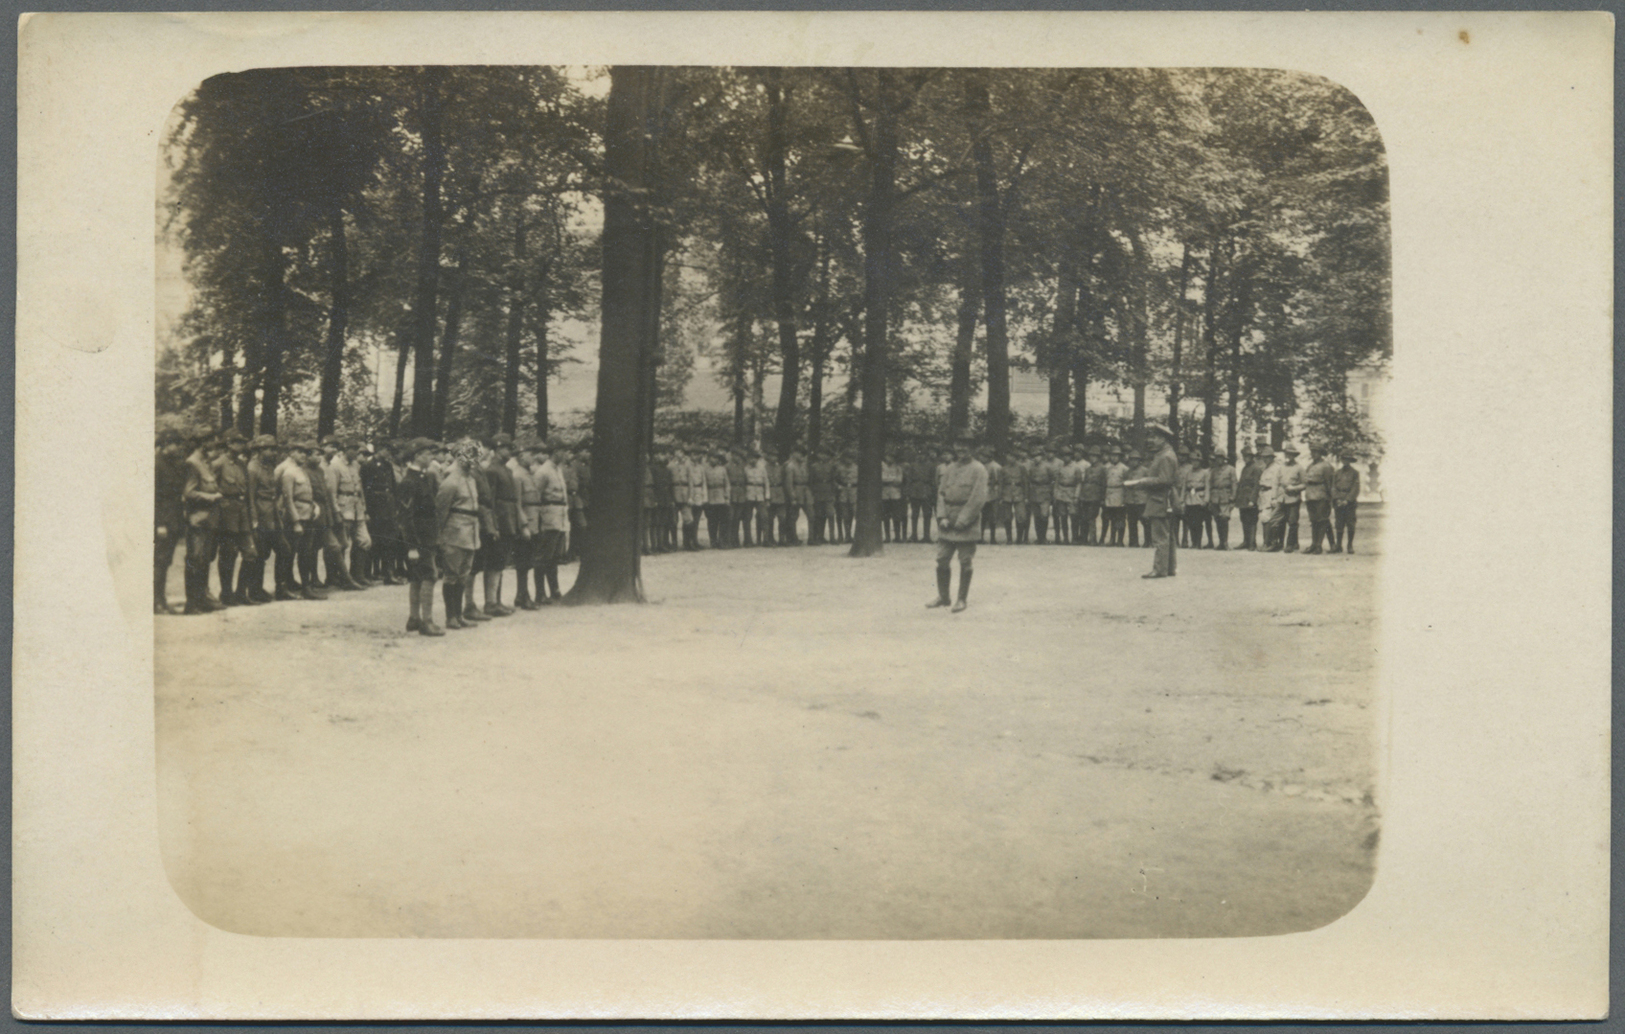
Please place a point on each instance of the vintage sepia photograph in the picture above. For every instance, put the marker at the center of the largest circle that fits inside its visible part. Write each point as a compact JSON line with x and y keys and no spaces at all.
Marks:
{"x":769,"y":503}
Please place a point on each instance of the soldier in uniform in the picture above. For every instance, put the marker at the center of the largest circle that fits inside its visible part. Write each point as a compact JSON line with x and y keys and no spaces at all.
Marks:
{"x":1196,"y":486}
{"x":1246,"y":498}
{"x":202,"y":497}
{"x":581,"y":498}
{"x":756,"y":498}
{"x":695,"y":474}
{"x":961,"y":494}
{"x":296,"y":509}
{"x":1345,"y":502}
{"x":995,"y":493}
{"x":1272,"y":499}
{"x":1134,"y":500}
{"x":716,"y":501}
{"x":553,"y":521}
{"x":1041,"y":490}
{"x":1292,"y":491}
{"x":665,"y":501}
{"x":892,"y":507}
{"x":1068,"y":474}
{"x":1116,"y":473}
{"x":1092,"y":495}
{"x":821,"y":487}
{"x":350,"y":500}
{"x":1317,"y":497}
{"x":459,"y":517}
{"x":1221,"y":496}
{"x":236,"y":536}
{"x":327,"y":522}
{"x":266,"y":523}
{"x":1161,"y":480}
{"x":523,"y":546}
{"x":169,"y":513}
{"x":506,"y":522}
{"x":846,"y":495}
{"x":379,"y":478}
{"x":733,"y":532}
{"x":919,"y":492}
{"x":1017,"y":474}
{"x":418,"y":524}
{"x":797,"y":497}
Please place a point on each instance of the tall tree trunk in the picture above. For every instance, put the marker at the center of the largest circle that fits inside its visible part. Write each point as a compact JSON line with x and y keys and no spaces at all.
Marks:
{"x":515,"y":331}
{"x":228,"y":384}
{"x":609,"y":556}
{"x":877,"y":285}
{"x":248,"y":384}
{"x":1139,"y":330}
{"x":424,"y":307}
{"x":820,"y":353}
{"x":1179,"y":339}
{"x":403,"y":355}
{"x":338,"y":320}
{"x":970,"y":304}
{"x":449,"y":337}
{"x":1210,"y":342}
{"x":1063,"y":346}
{"x":1080,"y":398}
{"x":544,"y":316}
{"x":990,"y":228}
{"x":781,"y":232}
{"x":273,"y":336}
{"x":1233,"y":401}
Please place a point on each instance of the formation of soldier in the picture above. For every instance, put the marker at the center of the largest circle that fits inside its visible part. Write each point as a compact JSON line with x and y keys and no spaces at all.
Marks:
{"x":1054,"y":493}
{"x":342,"y":514}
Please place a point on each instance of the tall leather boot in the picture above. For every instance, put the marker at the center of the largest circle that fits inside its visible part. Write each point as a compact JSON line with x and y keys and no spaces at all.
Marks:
{"x":553,"y":580}
{"x":964,"y":590}
{"x":944,"y":576}
{"x":451,"y":593}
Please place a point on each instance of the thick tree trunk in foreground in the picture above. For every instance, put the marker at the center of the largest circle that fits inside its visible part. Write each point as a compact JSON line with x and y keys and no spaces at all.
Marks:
{"x":1063,"y":347}
{"x":273,"y":336}
{"x":780,"y":231}
{"x":449,"y":336}
{"x":609,"y":555}
{"x":877,"y":274}
{"x":970,"y":304}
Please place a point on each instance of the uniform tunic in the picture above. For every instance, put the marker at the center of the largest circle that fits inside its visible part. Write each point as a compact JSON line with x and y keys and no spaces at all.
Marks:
{"x":891,"y":481}
{"x":232,"y":481}
{"x":960,"y":497}
{"x":821,"y":481}
{"x":1115,"y":475}
{"x":756,"y":490}
{"x":296,"y":495}
{"x":457,"y":511}
{"x":716,"y":485}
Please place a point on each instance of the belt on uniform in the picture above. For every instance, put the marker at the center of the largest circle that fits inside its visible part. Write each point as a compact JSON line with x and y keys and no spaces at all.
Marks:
{"x":465,"y":513}
{"x":554,"y":502}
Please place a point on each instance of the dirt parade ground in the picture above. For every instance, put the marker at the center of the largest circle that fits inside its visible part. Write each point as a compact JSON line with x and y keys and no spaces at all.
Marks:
{"x":785,"y":743}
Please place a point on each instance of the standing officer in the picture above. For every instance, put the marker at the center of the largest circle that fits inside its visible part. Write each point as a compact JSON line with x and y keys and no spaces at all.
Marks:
{"x":891,"y":496}
{"x":1221,"y":496}
{"x":665,"y":501}
{"x":202,"y":497}
{"x":418,"y":524}
{"x":327,"y":523}
{"x":1116,"y":474}
{"x":1134,"y":497}
{"x":552,"y":522}
{"x":991,"y":521}
{"x":378,"y":483}
{"x":1196,"y":486}
{"x":1247,"y":496}
{"x":350,"y":502}
{"x":267,"y":525}
{"x":1017,"y":475}
{"x":236,"y":537}
{"x":1317,"y":497}
{"x":716,"y":501}
{"x":506,"y":522}
{"x":961,"y":494}
{"x":523,"y":547}
{"x":821,"y":487}
{"x":1272,"y":499}
{"x":1092,"y":494}
{"x":756,"y":499}
{"x":797,"y":497}
{"x":1161,"y":480}
{"x":846,"y":494}
{"x":1041,"y":489}
{"x":1292,"y":483}
{"x":1068,"y":475}
{"x":1345,"y":501}
{"x":169,"y":513}
{"x":297,"y":508}
{"x":458,"y":517}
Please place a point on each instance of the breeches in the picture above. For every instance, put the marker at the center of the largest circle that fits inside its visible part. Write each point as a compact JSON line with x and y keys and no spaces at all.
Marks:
{"x":457,"y":563}
{"x":946,"y":551}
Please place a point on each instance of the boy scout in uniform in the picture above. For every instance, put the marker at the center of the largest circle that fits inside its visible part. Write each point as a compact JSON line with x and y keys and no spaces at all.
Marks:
{"x":1067,"y":479}
{"x":1092,"y":494}
{"x":738,"y":531}
{"x":961,"y":494}
{"x":665,"y":502}
{"x":1345,"y":502}
{"x":378,"y":480}
{"x":297,"y":508}
{"x":506,"y":522}
{"x":267,"y":525}
{"x":553,"y":522}
{"x":716,"y":502}
{"x":1016,"y":473}
{"x":1116,"y":473}
{"x":756,"y":499}
{"x":1247,"y":497}
{"x":892,"y":510}
{"x":169,"y":513}
{"x":418,"y":523}
{"x":991,"y":521}
{"x":821,"y":487}
{"x":797,"y":497}
{"x":846,"y":495}
{"x":523,"y":547}
{"x":1041,"y":490}
{"x":1271,"y":499}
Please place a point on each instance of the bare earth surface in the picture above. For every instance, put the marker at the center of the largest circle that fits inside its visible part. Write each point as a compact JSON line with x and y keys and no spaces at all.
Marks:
{"x":785,"y":744}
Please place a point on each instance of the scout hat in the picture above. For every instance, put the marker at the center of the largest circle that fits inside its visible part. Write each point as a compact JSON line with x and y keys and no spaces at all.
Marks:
{"x":1290,"y":449}
{"x":1266,"y":452}
{"x":263,"y":441}
{"x":1159,"y":429}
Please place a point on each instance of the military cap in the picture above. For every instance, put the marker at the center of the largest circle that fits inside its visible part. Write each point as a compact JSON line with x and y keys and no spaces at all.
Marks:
{"x":1265,"y":450}
{"x":1290,"y":449}
{"x":501,"y":440}
{"x":263,"y":441}
{"x":1160,"y":429}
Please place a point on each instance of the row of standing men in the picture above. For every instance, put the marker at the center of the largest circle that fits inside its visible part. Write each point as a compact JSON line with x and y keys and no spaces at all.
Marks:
{"x":1080,"y":493}
{"x":344,"y":515}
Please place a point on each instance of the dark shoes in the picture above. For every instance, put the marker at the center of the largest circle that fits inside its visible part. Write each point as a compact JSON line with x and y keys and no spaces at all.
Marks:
{"x":430,"y":628}
{"x":413,"y":624}
{"x":497,"y":610}
{"x":941,"y":601}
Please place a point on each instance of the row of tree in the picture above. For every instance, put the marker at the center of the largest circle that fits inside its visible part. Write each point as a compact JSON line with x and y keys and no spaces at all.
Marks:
{"x":1218,"y":235}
